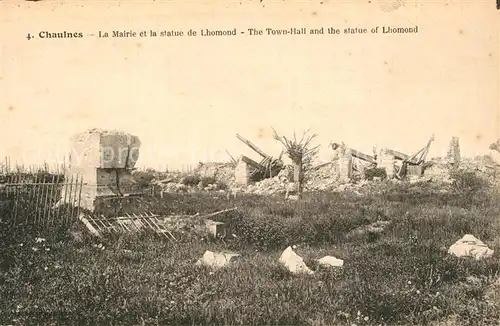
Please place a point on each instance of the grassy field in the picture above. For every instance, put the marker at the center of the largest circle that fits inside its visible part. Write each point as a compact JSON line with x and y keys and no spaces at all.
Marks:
{"x":402,"y":276}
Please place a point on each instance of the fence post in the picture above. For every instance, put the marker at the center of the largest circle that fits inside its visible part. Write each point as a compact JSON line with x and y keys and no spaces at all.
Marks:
{"x":69,"y":202}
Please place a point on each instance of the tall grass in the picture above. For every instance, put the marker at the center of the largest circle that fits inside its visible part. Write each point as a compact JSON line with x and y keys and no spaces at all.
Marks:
{"x":403,"y":276}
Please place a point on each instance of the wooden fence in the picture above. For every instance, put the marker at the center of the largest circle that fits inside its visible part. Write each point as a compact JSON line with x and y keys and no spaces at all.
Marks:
{"x":40,"y":198}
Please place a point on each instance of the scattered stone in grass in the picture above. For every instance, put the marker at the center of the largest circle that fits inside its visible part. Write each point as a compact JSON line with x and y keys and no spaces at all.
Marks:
{"x":216,"y":229}
{"x":293,"y":262}
{"x":217,"y":259}
{"x":472,"y":280}
{"x":99,"y":246}
{"x":470,"y":246}
{"x":331,"y":261}
{"x":375,"y":228}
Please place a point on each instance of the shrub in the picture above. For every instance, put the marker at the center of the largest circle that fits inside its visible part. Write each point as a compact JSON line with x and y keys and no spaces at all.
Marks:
{"x":222,"y":185}
{"x":321,"y":218}
{"x":467,"y":182}
{"x":205,"y":181}
{"x":469,"y":188}
{"x":370,"y":173}
{"x":143,"y":178}
{"x":191,"y":180}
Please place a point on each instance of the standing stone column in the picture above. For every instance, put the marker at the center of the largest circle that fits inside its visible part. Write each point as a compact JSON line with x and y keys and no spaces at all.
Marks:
{"x":345,"y":166}
{"x":337,"y":153}
{"x":453,"y":155}
{"x":242,"y":173}
{"x":387,"y":162}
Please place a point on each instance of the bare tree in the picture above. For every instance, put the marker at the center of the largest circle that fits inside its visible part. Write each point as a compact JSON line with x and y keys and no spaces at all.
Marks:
{"x":300,"y":153}
{"x":495,"y":146}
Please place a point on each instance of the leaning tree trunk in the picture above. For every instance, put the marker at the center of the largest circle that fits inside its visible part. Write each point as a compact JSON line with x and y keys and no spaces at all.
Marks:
{"x":297,"y":176}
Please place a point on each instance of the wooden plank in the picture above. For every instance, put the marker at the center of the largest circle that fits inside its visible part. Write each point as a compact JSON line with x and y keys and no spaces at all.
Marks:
{"x":80,"y":194}
{"x":320,"y":165}
{"x":16,"y":201}
{"x":219,"y":212}
{"x":124,"y":226}
{"x":146,"y":222}
{"x":163,"y":230}
{"x":46,"y":200}
{"x":397,"y":154}
{"x":232,"y":158}
{"x":30,"y":199}
{"x":126,"y":218}
{"x":252,"y":146}
{"x":33,"y":184}
{"x":53,"y":198}
{"x":102,"y":217}
{"x":252,"y":163}
{"x":99,"y":224}
{"x":361,"y":156}
{"x":112,"y":227}
{"x":65,"y":189}
{"x":69,"y":203}
{"x":38,"y":192}
{"x":137,"y":219}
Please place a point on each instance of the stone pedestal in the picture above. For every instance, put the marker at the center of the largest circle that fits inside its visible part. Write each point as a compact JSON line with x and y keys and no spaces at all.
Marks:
{"x":103,"y":161}
{"x":242,"y":173}
{"x":387,"y":162}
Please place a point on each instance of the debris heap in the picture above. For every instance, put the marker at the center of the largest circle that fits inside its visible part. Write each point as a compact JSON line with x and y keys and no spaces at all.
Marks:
{"x":248,"y":170}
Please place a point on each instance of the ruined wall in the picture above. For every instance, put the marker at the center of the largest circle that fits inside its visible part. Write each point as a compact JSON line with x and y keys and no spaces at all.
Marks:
{"x":387,"y":162}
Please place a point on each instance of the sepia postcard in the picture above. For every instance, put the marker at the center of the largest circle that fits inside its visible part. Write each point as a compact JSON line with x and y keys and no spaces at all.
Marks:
{"x":249,"y":162}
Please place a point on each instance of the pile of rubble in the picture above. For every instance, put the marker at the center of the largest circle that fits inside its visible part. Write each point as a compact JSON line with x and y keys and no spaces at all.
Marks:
{"x":323,"y":179}
{"x":223,"y":172}
{"x":347,"y":171}
{"x":213,"y":176}
{"x":440,"y":170}
{"x":180,"y":187}
{"x":279,"y":184}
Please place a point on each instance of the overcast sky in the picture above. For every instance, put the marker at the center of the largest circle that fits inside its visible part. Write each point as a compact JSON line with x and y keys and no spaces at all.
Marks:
{"x":186,"y":98}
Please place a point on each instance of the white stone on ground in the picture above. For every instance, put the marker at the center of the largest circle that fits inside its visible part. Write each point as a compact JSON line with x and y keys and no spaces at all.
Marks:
{"x":293,"y":262}
{"x":216,"y":259}
{"x":470,"y":246}
{"x":331,"y":261}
